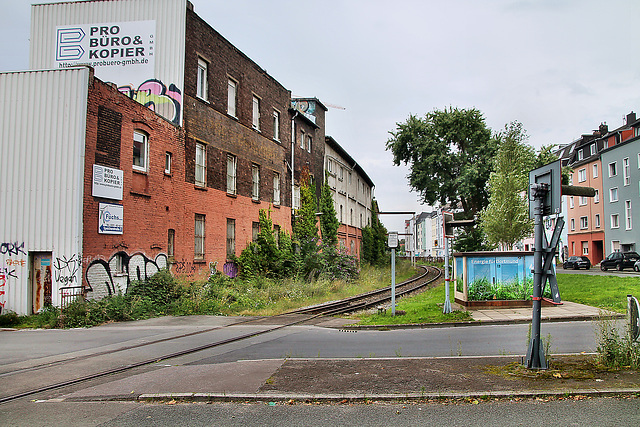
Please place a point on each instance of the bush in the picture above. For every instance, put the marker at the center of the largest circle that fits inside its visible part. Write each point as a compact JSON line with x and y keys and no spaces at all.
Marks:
{"x":9,"y":319}
{"x":615,"y":351}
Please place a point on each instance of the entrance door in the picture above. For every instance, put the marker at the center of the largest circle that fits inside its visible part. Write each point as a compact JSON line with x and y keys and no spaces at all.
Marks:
{"x":41,"y":280}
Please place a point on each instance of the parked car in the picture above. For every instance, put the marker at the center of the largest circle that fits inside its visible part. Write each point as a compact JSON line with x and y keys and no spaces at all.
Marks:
{"x":619,"y":261}
{"x":577,"y":262}
{"x":636,"y":266}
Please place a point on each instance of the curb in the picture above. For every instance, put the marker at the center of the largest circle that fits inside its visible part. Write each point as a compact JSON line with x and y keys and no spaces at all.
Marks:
{"x":353,"y":398}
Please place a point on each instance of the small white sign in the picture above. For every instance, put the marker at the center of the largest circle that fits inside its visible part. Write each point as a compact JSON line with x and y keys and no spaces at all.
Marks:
{"x":110,"y":219}
{"x":107,"y":182}
{"x":392,"y":240}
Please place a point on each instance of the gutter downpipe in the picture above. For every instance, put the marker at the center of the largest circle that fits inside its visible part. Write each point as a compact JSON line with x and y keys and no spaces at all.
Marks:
{"x":293,"y":146}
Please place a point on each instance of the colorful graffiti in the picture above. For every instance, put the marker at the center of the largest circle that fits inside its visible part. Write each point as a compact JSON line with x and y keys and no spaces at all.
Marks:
{"x":106,"y":277}
{"x":66,"y":269}
{"x":154,"y":94}
{"x":3,"y":282}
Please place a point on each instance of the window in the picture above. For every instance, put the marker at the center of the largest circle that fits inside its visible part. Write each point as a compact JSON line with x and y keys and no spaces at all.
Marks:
{"x":232,"y":89}
{"x":309,"y":140}
{"x":573,"y":224}
{"x":201,"y":79}
{"x":302,"y":139}
{"x":296,"y":197}
{"x":231,"y":237}
{"x":626,"y":171}
{"x":585,"y":248}
{"x":140,"y":151}
{"x":330,"y":165}
{"x":582,"y":200}
{"x":231,"y":174}
{"x":276,"y":188}
{"x":119,"y":263}
{"x":255,"y":182}
{"x":592,"y":149}
{"x":615,"y":221}
{"x":256,"y":113}
{"x":341,"y":176}
{"x":350,"y":216}
{"x":350,"y":180}
{"x":167,"y":163}
{"x":595,"y":171}
{"x":255,"y":231}
{"x":199,"y":237}
{"x":613,"y":194}
{"x":201,"y":165}
{"x":584,"y":223}
{"x":276,"y":233}
{"x":570,"y":202}
{"x":171,"y":239}
{"x":596,"y":197}
{"x":360,"y":220}
{"x":627,"y":215}
{"x":276,"y":125}
{"x":597,"y":220}
{"x":580,"y":154}
{"x":341,"y":214}
{"x":582,"y":175}
{"x":613,"y":170}
{"x":615,"y":245}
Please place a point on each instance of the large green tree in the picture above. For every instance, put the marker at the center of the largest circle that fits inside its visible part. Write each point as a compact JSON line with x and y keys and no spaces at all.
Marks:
{"x":374,"y":239}
{"x":329,"y":223}
{"x":505,"y":220}
{"x":450,"y":154}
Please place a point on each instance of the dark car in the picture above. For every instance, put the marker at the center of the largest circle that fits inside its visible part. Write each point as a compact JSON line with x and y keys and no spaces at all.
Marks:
{"x":577,"y":262}
{"x":619,"y":260}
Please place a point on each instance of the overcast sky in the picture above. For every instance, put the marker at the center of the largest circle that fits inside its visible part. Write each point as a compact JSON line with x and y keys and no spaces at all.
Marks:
{"x":561,"y":67}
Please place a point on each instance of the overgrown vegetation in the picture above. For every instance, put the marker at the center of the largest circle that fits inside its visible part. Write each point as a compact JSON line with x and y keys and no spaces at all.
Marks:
{"x":617,"y":349}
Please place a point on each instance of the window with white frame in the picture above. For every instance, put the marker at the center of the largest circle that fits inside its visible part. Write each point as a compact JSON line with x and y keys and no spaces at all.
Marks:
{"x":613,"y":194}
{"x":341,"y":175}
{"x":231,"y":237}
{"x":595,"y":170}
{"x":232,"y":95}
{"x":198,"y":252}
{"x":596,"y":197}
{"x":232,"y":163}
{"x":201,"y":79}
{"x":581,"y":154}
{"x":592,"y":149}
{"x":626,"y":171}
{"x":615,"y":221}
{"x":582,"y":175}
{"x":585,"y":248}
{"x":276,"y":125}
{"x":638,"y":159}
{"x":582,"y":200}
{"x":570,"y":202}
{"x":613,"y":169}
{"x":140,"y":151}
{"x":201,"y":165}
{"x":330,"y":165}
{"x":167,"y":163}
{"x":309,"y":140}
{"x":615,"y":246}
{"x":584,"y":223}
{"x":296,"y":197}
{"x":302,"y":139}
{"x":255,"y":182}
{"x":276,"y":188}
{"x":256,"y":113}
{"x":573,"y":224}
{"x":628,"y":215}
{"x":597,"y":221}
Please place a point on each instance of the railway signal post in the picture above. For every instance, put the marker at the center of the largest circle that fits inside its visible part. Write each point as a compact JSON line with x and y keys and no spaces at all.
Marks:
{"x":392,"y":242}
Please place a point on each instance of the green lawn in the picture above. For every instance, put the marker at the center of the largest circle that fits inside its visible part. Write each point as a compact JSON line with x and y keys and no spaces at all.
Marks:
{"x":606,"y":292}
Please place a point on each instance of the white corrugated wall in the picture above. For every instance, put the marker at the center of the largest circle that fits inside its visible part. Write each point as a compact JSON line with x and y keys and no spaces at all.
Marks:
{"x":170,"y":17}
{"x":42,"y":137}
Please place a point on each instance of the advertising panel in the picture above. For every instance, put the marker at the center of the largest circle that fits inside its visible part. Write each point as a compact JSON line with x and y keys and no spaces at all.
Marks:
{"x":107,"y":182}
{"x":110,"y":218}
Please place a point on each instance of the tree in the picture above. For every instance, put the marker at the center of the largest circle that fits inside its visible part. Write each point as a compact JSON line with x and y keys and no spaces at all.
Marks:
{"x":305,"y":229}
{"x":505,"y":220}
{"x":374,"y":239}
{"x":328,"y":220}
{"x":450,"y":154}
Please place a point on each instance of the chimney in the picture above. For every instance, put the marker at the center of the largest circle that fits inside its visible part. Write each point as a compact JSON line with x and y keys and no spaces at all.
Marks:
{"x":604,"y":129}
{"x":631,"y":117}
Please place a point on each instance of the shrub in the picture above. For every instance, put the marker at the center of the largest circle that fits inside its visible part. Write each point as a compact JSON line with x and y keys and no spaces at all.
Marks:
{"x":9,"y":319}
{"x":616,"y":351}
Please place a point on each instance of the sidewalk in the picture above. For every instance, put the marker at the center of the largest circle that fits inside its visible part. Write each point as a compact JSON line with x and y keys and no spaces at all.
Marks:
{"x":377,"y":379}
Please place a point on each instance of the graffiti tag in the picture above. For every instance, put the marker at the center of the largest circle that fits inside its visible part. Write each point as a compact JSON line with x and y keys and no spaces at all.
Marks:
{"x":155,"y":95}
{"x":8,"y":273}
{"x":12,"y":248}
{"x":66,"y":269}
{"x":100,"y":274}
{"x":184,"y":267}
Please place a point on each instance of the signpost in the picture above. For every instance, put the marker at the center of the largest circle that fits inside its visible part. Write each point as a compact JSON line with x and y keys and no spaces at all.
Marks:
{"x":392,"y":242}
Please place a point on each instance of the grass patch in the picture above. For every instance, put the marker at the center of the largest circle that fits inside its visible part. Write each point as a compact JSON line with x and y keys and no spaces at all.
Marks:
{"x":606,"y":292}
{"x":425,"y":307}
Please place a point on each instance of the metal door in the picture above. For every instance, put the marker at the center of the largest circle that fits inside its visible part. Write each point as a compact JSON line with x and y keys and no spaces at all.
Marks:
{"x":41,"y":280}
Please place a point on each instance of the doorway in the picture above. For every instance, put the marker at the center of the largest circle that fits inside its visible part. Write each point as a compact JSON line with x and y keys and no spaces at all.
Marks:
{"x":41,"y":280}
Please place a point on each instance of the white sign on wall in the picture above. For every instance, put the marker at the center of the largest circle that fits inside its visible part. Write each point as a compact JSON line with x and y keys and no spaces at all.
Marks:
{"x":120,"y":52}
{"x":107,"y":182}
{"x":110,"y":219}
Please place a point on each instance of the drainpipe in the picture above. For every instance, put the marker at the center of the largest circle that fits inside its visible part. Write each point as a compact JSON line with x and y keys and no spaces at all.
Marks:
{"x":293,"y":146}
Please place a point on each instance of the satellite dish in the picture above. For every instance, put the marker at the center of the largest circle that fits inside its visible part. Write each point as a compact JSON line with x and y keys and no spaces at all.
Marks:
{"x":634,"y":317}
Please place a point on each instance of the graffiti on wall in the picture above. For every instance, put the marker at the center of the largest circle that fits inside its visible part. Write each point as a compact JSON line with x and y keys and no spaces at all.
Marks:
{"x":154,"y":94}
{"x":9,"y":248}
{"x":184,"y":267}
{"x":3,"y":283}
{"x":66,"y":269}
{"x":103,"y":276}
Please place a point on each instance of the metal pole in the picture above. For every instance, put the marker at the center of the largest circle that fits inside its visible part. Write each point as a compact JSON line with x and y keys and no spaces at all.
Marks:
{"x":447,"y":304}
{"x":393,"y":281}
{"x":535,"y":354}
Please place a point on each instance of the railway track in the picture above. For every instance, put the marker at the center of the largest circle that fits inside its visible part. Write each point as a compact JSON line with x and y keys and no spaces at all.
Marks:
{"x":65,"y":371}
{"x":375,"y":298}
